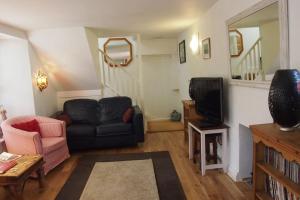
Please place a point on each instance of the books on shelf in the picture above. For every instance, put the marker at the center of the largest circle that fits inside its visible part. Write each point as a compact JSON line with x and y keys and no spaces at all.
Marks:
{"x":288,"y":168}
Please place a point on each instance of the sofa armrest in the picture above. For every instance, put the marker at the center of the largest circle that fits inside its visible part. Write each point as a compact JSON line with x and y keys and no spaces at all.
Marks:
{"x":22,"y":142}
{"x":138,"y":124}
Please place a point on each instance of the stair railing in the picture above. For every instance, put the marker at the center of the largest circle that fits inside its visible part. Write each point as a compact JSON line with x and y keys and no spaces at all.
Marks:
{"x":117,"y":79}
{"x":250,"y":65}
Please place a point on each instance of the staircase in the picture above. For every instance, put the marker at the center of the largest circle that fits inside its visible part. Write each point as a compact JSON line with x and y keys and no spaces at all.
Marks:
{"x":250,"y":66}
{"x":117,"y":80}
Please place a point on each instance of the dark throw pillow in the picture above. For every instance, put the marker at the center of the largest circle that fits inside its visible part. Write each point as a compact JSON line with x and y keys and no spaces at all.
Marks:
{"x":127,"y":115}
{"x":65,"y":118}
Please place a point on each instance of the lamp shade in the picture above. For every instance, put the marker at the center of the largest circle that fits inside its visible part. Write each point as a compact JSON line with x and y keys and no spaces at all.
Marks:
{"x":284,"y":98}
{"x":41,"y":80}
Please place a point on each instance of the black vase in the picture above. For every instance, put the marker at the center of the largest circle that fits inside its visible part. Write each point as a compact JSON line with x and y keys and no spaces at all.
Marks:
{"x":284,"y":99}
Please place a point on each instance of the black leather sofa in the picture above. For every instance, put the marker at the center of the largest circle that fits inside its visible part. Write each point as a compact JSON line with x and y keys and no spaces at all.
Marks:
{"x":99,"y":124}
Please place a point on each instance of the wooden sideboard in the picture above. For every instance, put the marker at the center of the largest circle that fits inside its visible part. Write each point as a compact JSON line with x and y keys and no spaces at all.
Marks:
{"x":287,"y":144}
{"x":189,"y":114}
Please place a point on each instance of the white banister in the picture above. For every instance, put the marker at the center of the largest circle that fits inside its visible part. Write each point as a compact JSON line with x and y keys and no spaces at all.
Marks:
{"x":250,"y":65}
{"x":117,"y":79}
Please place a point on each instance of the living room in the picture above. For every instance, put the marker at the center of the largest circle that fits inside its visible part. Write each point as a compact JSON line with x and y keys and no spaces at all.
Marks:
{"x":50,"y":58}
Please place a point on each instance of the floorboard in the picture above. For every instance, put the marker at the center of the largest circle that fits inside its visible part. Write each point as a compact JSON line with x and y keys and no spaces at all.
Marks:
{"x":164,"y":126}
{"x":213,"y":186}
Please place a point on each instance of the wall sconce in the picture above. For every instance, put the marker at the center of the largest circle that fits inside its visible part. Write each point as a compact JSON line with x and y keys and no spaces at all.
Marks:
{"x":2,"y":113}
{"x":41,"y":80}
{"x":194,"y":44}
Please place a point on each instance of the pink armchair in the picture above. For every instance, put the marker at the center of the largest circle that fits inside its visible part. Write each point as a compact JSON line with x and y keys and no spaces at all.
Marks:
{"x":50,"y":143}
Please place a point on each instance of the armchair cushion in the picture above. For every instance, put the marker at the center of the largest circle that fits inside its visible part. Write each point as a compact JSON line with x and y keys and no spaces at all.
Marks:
{"x":81,"y":130}
{"x":30,"y":126}
{"x":51,"y":129}
{"x":114,"y":129}
{"x":52,"y":144}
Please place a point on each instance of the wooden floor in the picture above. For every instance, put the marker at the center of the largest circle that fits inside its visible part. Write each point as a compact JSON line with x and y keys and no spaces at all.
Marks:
{"x":214,"y":185}
{"x":164,"y":126}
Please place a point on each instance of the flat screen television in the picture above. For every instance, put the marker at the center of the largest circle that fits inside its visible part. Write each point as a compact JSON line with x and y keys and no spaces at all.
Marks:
{"x":207,"y":92}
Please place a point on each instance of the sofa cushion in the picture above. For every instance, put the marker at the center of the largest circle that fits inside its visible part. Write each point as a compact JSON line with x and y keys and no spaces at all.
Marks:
{"x":114,"y":129}
{"x":111,"y":109}
{"x":52,"y":144}
{"x":82,"y":111}
{"x":81,"y":130}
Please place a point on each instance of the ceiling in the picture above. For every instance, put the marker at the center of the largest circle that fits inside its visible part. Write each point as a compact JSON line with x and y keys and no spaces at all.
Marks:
{"x":149,"y":17}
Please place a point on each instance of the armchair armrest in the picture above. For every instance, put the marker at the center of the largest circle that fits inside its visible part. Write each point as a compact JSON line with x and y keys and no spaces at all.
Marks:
{"x":138,"y":123}
{"x":51,"y":127}
{"x":21,"y":142}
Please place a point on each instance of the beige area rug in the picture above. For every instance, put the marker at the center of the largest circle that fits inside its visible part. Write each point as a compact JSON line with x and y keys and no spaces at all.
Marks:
{"x":121,"y":180}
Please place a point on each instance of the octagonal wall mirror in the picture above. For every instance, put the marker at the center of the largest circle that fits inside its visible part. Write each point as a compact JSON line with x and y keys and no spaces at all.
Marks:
{"x":236,"y":43}
{"x":118,"y":51}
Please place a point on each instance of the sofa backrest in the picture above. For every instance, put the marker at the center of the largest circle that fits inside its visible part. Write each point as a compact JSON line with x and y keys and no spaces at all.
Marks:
{"x":111,"y":109}
{"x":82,"y":111}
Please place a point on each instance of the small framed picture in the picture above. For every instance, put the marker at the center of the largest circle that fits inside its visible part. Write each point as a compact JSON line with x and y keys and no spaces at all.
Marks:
{"x":206,"y":51}
{"x":182,"y":54}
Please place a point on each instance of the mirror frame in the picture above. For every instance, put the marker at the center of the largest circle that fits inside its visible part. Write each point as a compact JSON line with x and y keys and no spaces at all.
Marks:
{"x":242,"y":43}
{"x":284,"y":38}
{"x":105,"y":51}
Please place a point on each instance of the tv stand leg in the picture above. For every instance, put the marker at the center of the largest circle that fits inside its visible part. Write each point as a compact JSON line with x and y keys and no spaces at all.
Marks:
{"x":191,"y":142}
{"x":203,"y":155}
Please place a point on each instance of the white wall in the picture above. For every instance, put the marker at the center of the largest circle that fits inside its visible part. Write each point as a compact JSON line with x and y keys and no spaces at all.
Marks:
{"x":45,"y":102}
{"x":294,"y":32}
{"x":64,"y":96}
{"x":92,"y":40}
{"x":270,"y":46}
{"x":15,"y":78}
{"x":158,"y":46}
{"x":246,"y":143}
{"x":17,"y":46}
{"x":243,"y":105}
{"x":66,"y":52}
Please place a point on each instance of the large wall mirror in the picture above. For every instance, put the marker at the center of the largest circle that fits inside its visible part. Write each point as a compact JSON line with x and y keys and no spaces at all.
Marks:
{"x":258,"y":41}
{"x":118,"y":51}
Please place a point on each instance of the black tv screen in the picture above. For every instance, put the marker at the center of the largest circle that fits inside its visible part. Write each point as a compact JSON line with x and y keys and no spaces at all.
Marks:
{"x":208,"y":96}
